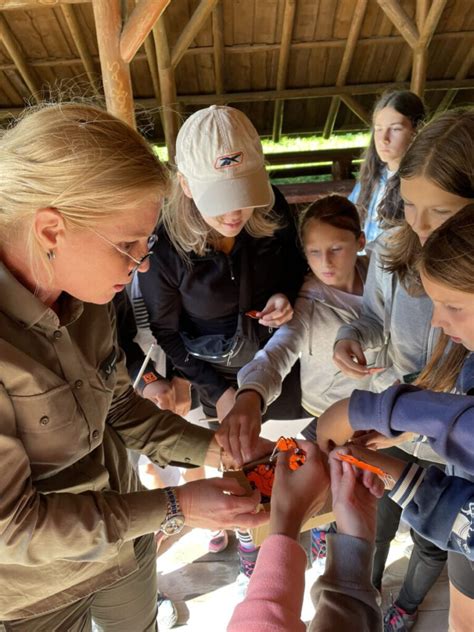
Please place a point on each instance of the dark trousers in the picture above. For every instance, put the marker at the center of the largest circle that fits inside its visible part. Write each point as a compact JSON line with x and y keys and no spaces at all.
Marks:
{"x":287,"y":406}
{"x":426,"y":561}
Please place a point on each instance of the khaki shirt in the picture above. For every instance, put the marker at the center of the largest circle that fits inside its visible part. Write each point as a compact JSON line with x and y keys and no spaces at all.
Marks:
{"x":70,"y":503}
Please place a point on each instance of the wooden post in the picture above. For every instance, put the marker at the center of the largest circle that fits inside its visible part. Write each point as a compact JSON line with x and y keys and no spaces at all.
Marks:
{"x":283,"y":60}
{"x":139,"y":25}
{"x":81,"y":45}
{"x":191,"y":29}
{"x":15,"y":52}
{"x":218,"y":44}
{"x":115,"y":72}
{"x":352,"y":38}
{"x":167,"y":87}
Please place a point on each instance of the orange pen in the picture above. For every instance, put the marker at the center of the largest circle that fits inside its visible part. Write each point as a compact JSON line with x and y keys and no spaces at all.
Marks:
{"x":362,"y":465}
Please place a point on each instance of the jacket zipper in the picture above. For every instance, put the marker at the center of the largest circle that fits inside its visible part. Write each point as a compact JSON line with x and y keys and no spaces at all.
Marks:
{"x":231,"y":268}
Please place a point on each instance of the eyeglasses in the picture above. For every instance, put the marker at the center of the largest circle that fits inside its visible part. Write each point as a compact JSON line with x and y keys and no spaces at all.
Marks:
{"x":152,"y":239}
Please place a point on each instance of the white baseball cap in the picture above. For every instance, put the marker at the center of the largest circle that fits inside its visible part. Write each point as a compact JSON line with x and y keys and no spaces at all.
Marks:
{"x":219,"y":152}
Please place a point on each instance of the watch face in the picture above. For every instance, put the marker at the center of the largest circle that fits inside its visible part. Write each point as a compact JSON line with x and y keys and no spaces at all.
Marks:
{"x":173,"y":525}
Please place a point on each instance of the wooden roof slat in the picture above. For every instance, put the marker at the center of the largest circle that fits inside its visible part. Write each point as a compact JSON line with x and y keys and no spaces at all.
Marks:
{"x":404,"y":24}
{"x":37,"y":4}
{"x":139,"y":25}
{"x":358,"y":109}
{"x":353,"y":36}
{"x":462,"y":73}
{"x":16,"y":53}
{"x":191,"y":29}
{"x":218,"y":46}
{"x":115,"y":72}
{"x":282,"y":71}
{"x":81,"y":44}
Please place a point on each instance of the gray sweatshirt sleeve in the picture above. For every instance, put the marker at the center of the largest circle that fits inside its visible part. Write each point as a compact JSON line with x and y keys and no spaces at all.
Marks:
{"x":344,"y":595}
{"x":266,"y":372}
{"x":368,"y":329}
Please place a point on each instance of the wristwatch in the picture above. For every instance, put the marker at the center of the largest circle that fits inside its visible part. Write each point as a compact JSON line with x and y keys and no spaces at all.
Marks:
{"x":174,"y":519}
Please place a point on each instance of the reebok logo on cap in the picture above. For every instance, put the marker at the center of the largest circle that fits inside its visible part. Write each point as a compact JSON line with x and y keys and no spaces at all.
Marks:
{"x":230,"y":160}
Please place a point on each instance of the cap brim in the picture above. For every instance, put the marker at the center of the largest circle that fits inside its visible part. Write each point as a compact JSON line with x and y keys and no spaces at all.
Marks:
{"x":224,"y":196}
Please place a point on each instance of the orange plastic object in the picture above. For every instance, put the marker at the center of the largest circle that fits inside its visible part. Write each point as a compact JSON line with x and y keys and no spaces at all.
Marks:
{"x":252,"y":314}
{"x":262,"y":478}
{"x":289,"y":443}
{"x":362,"y":465}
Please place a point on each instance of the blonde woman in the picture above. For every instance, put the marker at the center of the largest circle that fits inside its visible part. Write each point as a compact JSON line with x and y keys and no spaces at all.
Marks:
{"x":80,"y":193}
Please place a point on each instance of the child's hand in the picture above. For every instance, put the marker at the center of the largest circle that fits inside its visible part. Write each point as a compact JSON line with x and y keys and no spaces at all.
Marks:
{"x":276,"y":312}
{"x":349,"y":357}
{"x":354,"y":497}
{"x":240,"y":428}
{"x":376,"y":441}
{"x":298,"y":494}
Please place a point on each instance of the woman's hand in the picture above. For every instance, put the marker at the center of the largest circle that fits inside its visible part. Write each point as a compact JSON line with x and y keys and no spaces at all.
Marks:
{"x":376,"y":441}
{"x":298,"y":494}
{"x":350,"y":359}
{"x":240,"y":428}
{"x":333,"y":426}
{"x":354,"y":497}
{"x":162,"y":394}
{"x":220,"y":503}
{"x":182,"y":391}
{"x":276,"y":312}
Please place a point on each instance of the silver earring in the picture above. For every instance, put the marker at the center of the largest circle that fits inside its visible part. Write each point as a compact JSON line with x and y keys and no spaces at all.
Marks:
{"x":51,"y":255}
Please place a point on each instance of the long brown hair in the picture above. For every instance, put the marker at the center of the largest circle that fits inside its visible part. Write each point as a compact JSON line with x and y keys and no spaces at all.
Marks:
{"x":442,"y":152}
{"x":448,"y":259}
{"x":409,"y":105}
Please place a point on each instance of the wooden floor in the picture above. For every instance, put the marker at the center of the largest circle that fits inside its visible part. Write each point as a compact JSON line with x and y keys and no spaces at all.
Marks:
{"x":202,"y":584}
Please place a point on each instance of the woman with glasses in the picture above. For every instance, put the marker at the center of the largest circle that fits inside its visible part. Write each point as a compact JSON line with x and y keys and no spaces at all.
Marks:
{"x":80,"y":194}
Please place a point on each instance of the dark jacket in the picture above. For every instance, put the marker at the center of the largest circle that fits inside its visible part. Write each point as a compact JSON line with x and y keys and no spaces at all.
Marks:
{"x":203,"y":297}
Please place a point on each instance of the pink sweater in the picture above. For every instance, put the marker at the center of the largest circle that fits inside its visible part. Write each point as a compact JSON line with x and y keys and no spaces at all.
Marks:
{"x":344,"y":595}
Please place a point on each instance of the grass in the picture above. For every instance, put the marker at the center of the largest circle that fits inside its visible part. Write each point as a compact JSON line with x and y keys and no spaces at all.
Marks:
{"x":299,"y":143}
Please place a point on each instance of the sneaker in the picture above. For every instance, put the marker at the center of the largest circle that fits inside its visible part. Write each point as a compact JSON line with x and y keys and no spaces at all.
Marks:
{"x":247,"y":560}
{"x":218,"y":542}
{"x":167,"y":613}
{"x":318,"y":545}
{"x":397,"y":620}
{"x":241,"y":585}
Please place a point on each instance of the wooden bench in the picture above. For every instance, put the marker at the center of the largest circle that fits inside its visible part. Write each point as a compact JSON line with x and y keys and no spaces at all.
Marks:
{"x":340,"y":160}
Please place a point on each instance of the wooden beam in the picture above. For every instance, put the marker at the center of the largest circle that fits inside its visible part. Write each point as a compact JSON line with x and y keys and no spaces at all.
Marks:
{"x":352,"y":38}
{"x":150,"y":53}
{"x":169,"y":100}
{"x":283,"y":61}
{"x":139,"y":25}
{"x":422,"y":8}
{"x":420,"y":53}
{"x":462,"y":73}
{"x":36,"y":4}
{"x":81,"y":44}
{"x":218,"y":46}
{"x":402,"y":22}
{"x":357,"y":108}
{"x":15,"y":52}
{"x":115,"y":72}
{"x":191,"y":29}
{"x":9,"y":89}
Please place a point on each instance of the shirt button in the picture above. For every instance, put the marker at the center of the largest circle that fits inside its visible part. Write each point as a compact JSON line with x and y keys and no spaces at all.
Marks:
{"x":78,"y":384}
{"x":57,"y":334}
{"x":95,"y":434}
{"x":44,"y":420}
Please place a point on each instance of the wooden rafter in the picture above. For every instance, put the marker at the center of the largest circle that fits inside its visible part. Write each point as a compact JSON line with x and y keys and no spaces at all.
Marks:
{"x":167,"y":86}
{"x":356,"y":107}
{"x":283,"y":61}
{"x":81,"y":44}
{"x":352,"y":38}
{"x":218,"y":46}
{"x":150,"y":53}
{"x":191,"y":29}
{"x":16,"y":53}
{"x":36,"y":4}
{"x":139,"y":25}
{"x":462,"y":73}
{"x":418,"y":38}
{"x":115,"y":72}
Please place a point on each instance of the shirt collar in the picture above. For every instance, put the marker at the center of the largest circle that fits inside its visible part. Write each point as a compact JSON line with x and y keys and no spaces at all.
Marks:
{"x":18,"y":303}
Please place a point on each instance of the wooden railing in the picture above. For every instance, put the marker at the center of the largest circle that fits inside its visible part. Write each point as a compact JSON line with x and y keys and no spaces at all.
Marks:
{"x":336,"y":162}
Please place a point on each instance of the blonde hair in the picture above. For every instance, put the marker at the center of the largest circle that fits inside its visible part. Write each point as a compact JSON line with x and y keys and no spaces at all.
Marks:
{"x":77,"y":158}
{"x":189,"y":232}
{"x":448,"y":259}
{"x":442,"y":152}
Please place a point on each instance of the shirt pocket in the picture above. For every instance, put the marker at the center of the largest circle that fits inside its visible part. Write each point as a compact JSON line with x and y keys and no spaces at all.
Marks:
{"x":51,"y":427}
